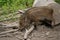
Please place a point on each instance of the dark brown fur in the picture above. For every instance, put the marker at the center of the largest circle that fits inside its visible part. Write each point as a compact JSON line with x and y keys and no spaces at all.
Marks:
{"x":38,"y":16}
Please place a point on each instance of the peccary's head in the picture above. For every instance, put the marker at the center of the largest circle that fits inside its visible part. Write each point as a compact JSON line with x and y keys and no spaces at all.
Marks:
{"x":24,"y":22}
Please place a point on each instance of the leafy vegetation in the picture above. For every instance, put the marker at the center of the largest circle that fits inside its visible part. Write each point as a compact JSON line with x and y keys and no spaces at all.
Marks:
{"x":11,"y":6}
{"x":58,"y":1}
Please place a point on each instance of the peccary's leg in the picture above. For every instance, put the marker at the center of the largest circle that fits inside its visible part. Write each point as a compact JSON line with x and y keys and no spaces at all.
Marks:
{"x":53,"y":22}
{"x":48,"y":23}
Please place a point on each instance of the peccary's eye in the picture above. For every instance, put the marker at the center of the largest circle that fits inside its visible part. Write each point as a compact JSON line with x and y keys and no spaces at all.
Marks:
{"x":20,"y":23}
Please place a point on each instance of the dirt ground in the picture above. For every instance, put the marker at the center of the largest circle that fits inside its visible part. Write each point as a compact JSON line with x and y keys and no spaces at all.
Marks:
{"x":41,"y":33}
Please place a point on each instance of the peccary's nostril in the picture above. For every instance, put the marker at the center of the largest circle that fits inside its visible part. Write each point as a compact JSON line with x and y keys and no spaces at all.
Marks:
{"x":25,"y":39}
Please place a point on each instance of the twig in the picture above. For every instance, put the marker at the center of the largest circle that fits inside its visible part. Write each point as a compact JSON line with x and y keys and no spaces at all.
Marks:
{"x":8,"y":31}
{"x":5,"y":35}
{"x":8,"y":25}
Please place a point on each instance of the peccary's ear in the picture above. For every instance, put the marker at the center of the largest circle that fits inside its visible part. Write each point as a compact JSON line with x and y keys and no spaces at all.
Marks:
{"x":21,"y":11}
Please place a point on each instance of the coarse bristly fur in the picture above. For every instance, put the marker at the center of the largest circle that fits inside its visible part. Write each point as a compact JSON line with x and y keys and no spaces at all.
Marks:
{"x":39,"y":15}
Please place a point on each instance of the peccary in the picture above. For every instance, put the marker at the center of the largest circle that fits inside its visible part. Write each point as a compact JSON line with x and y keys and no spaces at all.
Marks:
{"x":38,"y":16}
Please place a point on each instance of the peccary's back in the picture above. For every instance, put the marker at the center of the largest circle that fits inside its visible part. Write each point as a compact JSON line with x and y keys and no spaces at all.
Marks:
{"x":40,"y":13}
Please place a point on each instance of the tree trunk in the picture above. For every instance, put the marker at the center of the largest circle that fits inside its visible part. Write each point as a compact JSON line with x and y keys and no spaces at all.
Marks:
{"x":38,"y":3}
